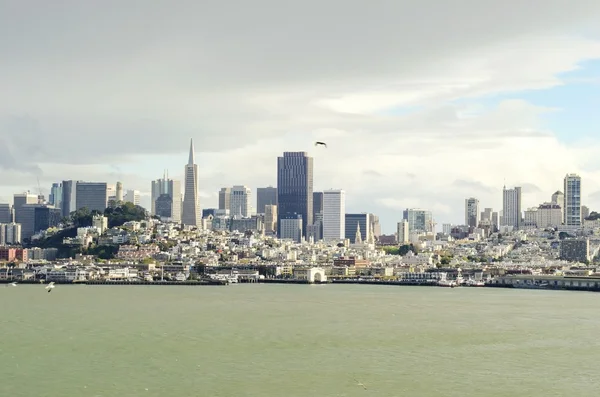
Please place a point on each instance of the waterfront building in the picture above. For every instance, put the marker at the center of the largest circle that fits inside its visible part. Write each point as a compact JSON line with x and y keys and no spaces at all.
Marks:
{"x":295,"y":188}
{"x":191,"y":214}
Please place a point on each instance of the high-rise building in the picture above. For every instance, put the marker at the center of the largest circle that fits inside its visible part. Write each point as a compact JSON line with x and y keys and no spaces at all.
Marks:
{"x":361,"y":222}
{"x":486,"y":215}
{"x":375,"y":227}
{"x":585,"y":212}
{"x":472,"y":212}
{"x":225,"y":198}
{"x":511,"y":207}
{"x":90,"y":195}
{"x":166,"y":199}
{"x":265,"y":196}
{"x":317,"y":204}
{"x":132,"y":196}
{"x":558,"y":198}
{"x":572,"y":211}
{"x":495,"y":221}
{"x":271,"y":219}
{"x":334,"y":209}
{"x":21,"y":199}
{"x":239,"y":202}
{"x":55,"y":198}
{"x":6,"y":215}
{"x":403,"y":233}
{"x":69,"y":197}
{"x":295,"y":188}
{"x":10,"y":233}
{"x":419,"y":220}
{"x":37,"y":217}
{"x":191,"y":213}
{"x":290,"y":227}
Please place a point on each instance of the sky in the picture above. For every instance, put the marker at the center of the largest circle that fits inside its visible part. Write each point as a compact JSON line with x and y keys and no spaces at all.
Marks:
{"x":422,"y":103}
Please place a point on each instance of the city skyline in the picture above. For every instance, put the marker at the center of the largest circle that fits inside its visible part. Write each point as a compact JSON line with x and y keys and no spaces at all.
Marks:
{"x":442,"y":115}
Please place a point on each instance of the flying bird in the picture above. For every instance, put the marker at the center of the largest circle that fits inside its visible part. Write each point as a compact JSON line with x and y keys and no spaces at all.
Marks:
{"x":320,"y":144}
{"x":50,"y":286}
{"x":13,"y":284}
{"x":360,"y":384}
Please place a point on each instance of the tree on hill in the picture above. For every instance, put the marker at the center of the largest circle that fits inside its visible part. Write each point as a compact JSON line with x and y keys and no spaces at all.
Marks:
{"x":593,"y":216}
{"x":403,"y":250}
{"x":126,"y":212}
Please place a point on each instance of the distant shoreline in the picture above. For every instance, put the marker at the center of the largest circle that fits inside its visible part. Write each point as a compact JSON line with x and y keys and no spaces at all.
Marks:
{"x":288,"y":281}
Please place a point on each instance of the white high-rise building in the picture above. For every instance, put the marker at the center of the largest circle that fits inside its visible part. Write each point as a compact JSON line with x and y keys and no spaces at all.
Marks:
{"x":572,"y":210}
{"x":239,"y":201}
{"x":334,"y":214}
{"x":191,"y":214}
{"x":132,"y":196}
{"x":472,"y":212}
{"x":511,"y":207}
{"x":271,"y":219}
{"x":403,"y":232}
{"x":166,"y":199}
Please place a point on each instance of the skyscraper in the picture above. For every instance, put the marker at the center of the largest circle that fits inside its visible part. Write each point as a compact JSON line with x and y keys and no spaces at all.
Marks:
{"x":225,"y":198}
{"x":558,"y":198}
{"x":191,"y":214}
{"x":265,"y":196}
{"x":472,"y":212}
{"x":361,"y":222}
{"x":91,"y":195}
{"x":334,"y":215}
{"x":69,"y":197}
{"x":572,"y":211}
{"x":295,"y":188}
{"x":419,"y":220}
{"x":55,"y":197}
{"x":166,"y":199}
{"x":511,"y":207}
{"x":317,"y":204}
{"x":239,"y":203}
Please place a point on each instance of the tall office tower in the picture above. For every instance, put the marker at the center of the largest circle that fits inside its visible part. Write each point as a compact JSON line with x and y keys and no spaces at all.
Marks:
{"x":317,"y":204}
{"x":334,"y":219}
{"x":132,"y":196}
{"x":419,"y":220}
{"x":472,"y":212}
{"x":295,"y":188}
{"x":271,"y":219}
{"x":558,"y":198}
{"x":447,"y":228}
{"x":265,"y":196}
{"x":119,"y":192}
{"x":360,"y":222}
{"x":572,"y":187}
{"x":585,"y":212}
{"x":239,"y":204}
{"x":55,"y":197}
{"x":225,"y":198}
{"x":511,"y":207}
{"x":21,"y":199}
{"x":166,"y":199}
{"x":10,"y":233}
{"x":290,"y":227}
{"x":403,"y":233}
{"x":69,"y":197}
{"x":486,"y":214}
{"x":6,"y":215}
{"x":191,"y":213}
{"x":495,"y":221}
{"x":375,"y":227}
{"x":91,"y":195}
{"x":37,"y":217}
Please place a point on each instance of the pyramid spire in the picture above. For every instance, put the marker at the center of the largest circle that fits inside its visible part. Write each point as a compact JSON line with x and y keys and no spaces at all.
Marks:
{"x":191,"y":160}
{"x":358,"y":237}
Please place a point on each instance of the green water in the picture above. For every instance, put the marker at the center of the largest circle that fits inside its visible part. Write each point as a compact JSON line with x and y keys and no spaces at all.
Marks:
{"x":297,"y":340}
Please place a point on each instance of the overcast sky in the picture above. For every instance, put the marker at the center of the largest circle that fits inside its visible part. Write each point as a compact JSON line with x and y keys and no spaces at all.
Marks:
{"x":422,"y":103}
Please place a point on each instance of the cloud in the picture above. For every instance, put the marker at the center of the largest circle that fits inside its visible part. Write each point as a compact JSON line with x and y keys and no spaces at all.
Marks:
{"x":250,"y":83}
{"x":473,"y":186}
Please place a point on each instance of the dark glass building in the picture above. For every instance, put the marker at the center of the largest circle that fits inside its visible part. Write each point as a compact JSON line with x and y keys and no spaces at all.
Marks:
{"x":265,"y":196}
{"x":295,"y":188}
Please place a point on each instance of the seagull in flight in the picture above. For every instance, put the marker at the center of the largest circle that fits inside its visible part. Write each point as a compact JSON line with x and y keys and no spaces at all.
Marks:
{"x":50,"y":286}
{"x":13,"y":284}
{"x":318,"y":143}
{"x":360,"y":384}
